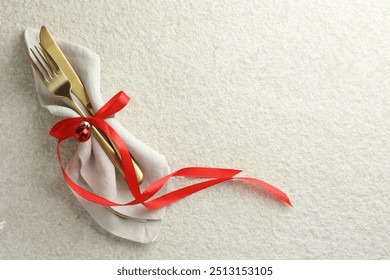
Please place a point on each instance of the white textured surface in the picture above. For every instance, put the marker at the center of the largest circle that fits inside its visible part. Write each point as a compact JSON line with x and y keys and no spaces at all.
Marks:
{"x":293,"y":92}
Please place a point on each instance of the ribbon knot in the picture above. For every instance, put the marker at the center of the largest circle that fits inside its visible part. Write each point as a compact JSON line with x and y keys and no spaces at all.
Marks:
{"x":65,"y":128}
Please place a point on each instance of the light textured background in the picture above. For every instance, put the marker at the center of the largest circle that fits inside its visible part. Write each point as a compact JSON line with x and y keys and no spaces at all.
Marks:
{"x":293,"y":92}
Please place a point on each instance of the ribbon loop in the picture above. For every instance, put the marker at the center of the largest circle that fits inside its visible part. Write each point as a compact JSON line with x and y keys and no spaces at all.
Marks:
{"x":64,"y":129}
{"x":114,"y":105}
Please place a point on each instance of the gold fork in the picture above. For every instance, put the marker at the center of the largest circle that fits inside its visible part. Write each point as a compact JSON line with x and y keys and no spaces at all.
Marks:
{"x":58,"y":84}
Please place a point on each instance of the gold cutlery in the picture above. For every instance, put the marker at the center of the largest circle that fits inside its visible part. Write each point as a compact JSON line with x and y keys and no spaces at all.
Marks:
{"x":50,"y":46}
{"x":58,"y":84}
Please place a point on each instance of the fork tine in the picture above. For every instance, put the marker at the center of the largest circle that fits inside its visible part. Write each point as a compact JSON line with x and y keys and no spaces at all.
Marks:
{"x":36,"y":68}
{"x":53,"y":65}
{"x":40,"y":62}
{"x":44,"y":60}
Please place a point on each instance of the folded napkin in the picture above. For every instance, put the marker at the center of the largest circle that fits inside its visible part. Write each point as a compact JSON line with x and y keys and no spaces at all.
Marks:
{"x":90,"y":166}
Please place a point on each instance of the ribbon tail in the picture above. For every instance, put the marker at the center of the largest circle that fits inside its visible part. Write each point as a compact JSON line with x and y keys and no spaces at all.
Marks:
{"x":195,"y":172}
{"x":173,"y":196}
{"x":278,"y":193}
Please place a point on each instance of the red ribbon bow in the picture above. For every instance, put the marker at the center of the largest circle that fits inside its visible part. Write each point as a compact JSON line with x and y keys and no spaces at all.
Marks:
{"x":64,"y":129}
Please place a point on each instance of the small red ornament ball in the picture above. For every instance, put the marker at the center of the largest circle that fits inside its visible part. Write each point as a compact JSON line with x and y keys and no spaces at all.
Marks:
{"x":83,"y":132}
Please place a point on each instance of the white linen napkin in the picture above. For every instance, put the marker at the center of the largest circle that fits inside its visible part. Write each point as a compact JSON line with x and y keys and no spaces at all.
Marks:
{"x":90,"y":166}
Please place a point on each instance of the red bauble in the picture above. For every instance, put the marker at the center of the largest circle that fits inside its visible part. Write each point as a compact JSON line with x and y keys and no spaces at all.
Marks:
{"x":82,"y":133}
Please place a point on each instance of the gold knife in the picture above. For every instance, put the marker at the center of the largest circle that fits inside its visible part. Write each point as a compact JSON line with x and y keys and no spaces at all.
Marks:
{"x":80,"y":92}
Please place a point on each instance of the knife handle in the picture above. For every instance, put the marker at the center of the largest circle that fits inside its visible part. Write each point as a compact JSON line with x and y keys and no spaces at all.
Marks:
{"x":108,"y":149}
{"x":116,"y":161}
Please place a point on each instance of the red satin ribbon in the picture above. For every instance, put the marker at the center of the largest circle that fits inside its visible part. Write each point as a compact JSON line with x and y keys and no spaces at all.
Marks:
{"x":64,"y":129}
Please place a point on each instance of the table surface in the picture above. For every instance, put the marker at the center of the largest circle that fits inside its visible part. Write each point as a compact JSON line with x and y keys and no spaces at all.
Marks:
{"x":295,"y":93}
